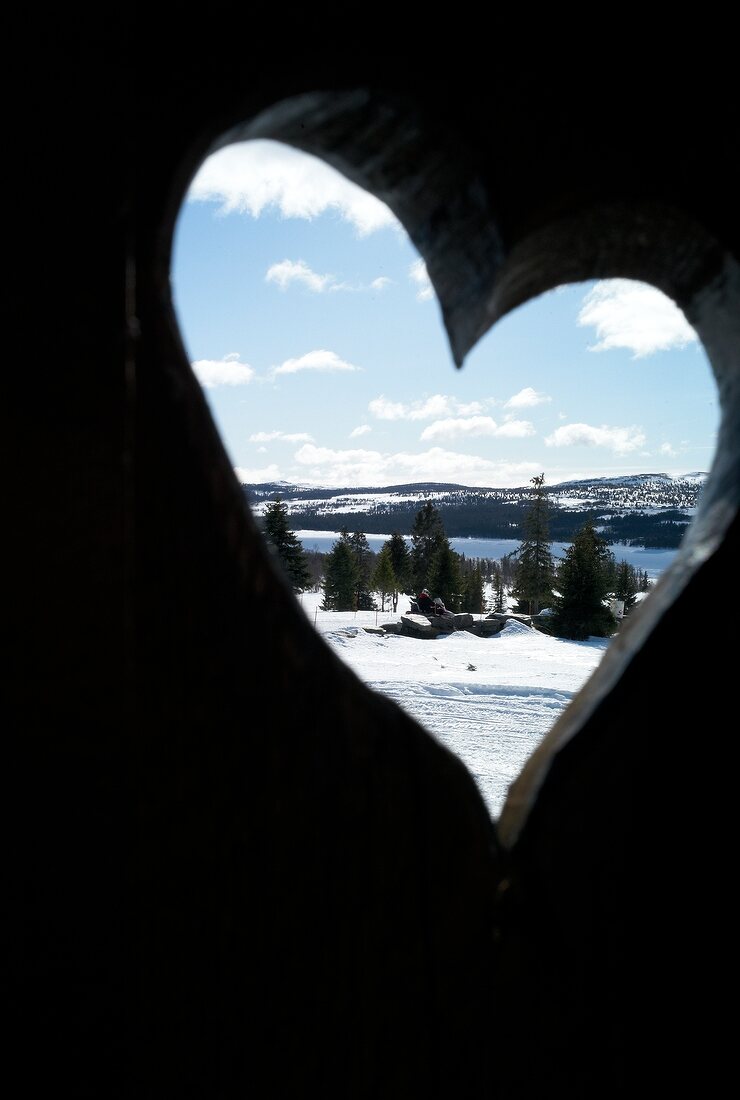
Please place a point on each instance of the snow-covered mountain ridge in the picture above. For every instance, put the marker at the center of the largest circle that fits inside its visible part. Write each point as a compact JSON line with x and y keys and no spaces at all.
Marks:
{"x":638,"y":491}
{"x":642,"y":509}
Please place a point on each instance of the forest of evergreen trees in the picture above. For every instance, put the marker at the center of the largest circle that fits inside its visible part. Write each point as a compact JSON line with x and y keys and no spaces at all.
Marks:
{"x":473,"y":516}
{"x":575,"y":591}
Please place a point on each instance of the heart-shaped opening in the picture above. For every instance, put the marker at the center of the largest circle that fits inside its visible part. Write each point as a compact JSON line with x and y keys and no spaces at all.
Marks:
{"x":313,"y":326}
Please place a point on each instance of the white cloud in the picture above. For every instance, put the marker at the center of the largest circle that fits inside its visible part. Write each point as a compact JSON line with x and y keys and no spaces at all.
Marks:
{"x":287,"y":437}
{"x":223,"y":372}
{"x":361,"y":429}
{"x":634,"y":315}
{"x":256,"y":476}
{"x":470,"y":426}
{"x":297,"y":271}
{"x":387,"y":410}
{"x":468,"y":408}
{"x":526,"y":398}
{"x":439,"y":405}
{"x":253,"y":176}
{"x":668,"y":450}
{"x":419,"y":275}
{"x":515,"y":429}
{"x":321,"y":360}
{"x":619,"y":440}
{"x":324,"y":466}
{"x":455,"y":427}
{"x":436,"y":405}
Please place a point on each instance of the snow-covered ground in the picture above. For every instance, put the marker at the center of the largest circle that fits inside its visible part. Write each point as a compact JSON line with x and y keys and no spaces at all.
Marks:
{"x":490,"y":700}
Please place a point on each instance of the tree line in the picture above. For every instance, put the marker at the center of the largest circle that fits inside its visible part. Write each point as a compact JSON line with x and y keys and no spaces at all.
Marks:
{"x":575,"y":590}
{"x":484,"y":517}
{"x":578,"y":589}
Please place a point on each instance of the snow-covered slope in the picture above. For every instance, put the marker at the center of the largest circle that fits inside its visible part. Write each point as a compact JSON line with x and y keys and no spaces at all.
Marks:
{"x":489,"y":700}
{"x":638,"y":491}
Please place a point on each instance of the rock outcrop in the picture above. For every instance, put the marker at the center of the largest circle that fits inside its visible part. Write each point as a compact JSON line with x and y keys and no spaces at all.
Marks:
{"x":431,"y":626}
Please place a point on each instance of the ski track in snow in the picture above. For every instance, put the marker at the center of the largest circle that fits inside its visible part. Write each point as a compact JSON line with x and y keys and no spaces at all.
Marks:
{"x":492,"y":731}
{"x":488,"y":700}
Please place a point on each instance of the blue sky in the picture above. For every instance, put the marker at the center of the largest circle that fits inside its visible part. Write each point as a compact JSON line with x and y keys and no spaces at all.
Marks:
{"x":308,"y":318}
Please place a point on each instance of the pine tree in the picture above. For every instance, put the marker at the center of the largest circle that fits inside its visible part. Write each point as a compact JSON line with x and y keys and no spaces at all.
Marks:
{"x":508,"y":569}
{"x":286,"y":545}
{"x":340,"y":578}
{"x":610,"y":573}
{"x":473,"y":598}
{"x":427,"y":537}
{"x":384,"y":579}
{"x":499,"y":592}
{"x":364,"y":559}
{"x":580,"y":611}
{"x":535,"y":573}
{"x":625,"y":585}
{"x":444,"y":576}
{"x":401,"y":563}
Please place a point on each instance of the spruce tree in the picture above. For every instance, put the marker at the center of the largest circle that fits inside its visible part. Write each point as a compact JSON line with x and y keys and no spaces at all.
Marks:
{"x":286,"y":545}
{"x":444,"y":576}
{"x":364,"y":559}
{"x":499,"y":593}
{"x":401,"y":562}
{"x":508,"y":569}
{"x":610,"y":573}
{"x":535,"y":572}
{"x":625,"y":586}
{"x":340,"y":578}
{"x":427,"y":537}
{"x":583,"y":582}
{"x":473,"y":598}
{"x":384,"y":579}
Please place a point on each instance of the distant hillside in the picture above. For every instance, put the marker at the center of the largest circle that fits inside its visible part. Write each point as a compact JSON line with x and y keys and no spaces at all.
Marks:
{"x":642,"y":510}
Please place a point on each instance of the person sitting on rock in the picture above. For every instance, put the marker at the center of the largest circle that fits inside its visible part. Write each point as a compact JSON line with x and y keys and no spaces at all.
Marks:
{"x":425,"y":602}
{"x":440,"y":609}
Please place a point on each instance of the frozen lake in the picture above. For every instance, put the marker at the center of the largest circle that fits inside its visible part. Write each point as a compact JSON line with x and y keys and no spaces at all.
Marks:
{"x":653,"y":561}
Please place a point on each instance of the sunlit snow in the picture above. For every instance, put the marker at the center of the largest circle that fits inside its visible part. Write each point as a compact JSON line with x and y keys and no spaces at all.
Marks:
{"x":490,"y":700}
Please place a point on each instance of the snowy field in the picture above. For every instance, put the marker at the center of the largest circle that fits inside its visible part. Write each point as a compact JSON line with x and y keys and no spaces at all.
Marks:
{"x":490,"y":700}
